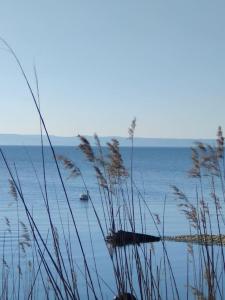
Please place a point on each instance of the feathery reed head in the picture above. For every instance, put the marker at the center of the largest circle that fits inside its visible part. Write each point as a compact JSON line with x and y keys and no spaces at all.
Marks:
{"x":97,"y":140}
{"x":69,"y":165}
{"x":86,"y":148}
{"x":131,"y":129}
{"x":100,"y":158}
{"x":205,"y":160}
{"x":12,"y":189}
{"x":220,"y":143}
{"x":116,"y":167}
{"x":101,"y":179}
{"x":187,"y":208}
{"x":195,"y":170}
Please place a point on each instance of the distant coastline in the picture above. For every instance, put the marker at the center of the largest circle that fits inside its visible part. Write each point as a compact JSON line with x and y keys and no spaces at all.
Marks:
{"x":34,"y":140}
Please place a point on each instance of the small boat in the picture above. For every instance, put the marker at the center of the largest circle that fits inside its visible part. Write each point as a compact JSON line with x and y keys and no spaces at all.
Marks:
{"x":84,"y":197}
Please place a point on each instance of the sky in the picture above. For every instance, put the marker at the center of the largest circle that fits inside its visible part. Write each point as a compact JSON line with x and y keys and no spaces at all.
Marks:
{"x":100,"y":63}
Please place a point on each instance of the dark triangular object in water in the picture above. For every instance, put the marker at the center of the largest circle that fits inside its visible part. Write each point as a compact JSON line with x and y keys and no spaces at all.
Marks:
{"x":125,"y":296}
{"x":123,"y":238}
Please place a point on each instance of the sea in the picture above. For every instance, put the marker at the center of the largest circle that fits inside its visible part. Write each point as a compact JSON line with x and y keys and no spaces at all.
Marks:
{"x":155,"y":171}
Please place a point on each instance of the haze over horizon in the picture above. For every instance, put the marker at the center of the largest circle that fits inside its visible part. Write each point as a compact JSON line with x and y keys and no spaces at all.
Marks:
{"x":35,"y":140}
{"x":109,"y":136}
{"x":100,"y":63}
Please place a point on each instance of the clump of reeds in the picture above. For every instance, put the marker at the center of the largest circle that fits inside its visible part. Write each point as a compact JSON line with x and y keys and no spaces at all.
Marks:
{"x":133,"y":266}
{"x":135,"y":270}
{"x":206,"y":217}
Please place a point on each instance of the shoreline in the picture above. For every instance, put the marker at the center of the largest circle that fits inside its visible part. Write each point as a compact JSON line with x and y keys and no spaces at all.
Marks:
{"x":214,"y":239}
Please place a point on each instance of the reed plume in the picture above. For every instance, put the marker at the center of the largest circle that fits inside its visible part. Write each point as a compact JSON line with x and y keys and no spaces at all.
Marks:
{"x":220,"y":143}
{"x":12,"y":189}
{"x":131,"y":129}
{"x":116,"y":167}
{"x":69,"y":165}
{"x":86,"y":148}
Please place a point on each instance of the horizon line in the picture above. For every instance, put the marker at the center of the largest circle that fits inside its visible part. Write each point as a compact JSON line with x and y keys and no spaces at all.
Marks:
{"x":111,"y":136}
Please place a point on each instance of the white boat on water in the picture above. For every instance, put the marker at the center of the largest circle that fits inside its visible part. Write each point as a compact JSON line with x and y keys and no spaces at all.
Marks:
{"x":84,"y":197}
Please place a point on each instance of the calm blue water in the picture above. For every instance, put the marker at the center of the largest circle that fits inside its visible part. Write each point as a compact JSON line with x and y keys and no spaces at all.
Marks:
{"x":155,"y":170}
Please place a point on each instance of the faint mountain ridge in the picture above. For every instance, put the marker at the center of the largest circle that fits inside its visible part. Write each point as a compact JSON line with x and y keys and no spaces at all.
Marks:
{"x":35,"y":140}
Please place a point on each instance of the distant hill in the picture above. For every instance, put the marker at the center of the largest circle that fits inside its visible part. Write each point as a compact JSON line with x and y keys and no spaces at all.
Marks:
{"x":35,"y":140}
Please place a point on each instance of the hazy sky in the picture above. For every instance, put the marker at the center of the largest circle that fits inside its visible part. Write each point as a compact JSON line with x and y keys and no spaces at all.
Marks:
{"x":100,"y":63}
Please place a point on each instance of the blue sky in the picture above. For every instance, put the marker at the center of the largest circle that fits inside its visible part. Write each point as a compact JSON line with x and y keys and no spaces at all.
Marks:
{"x":100,"y":63}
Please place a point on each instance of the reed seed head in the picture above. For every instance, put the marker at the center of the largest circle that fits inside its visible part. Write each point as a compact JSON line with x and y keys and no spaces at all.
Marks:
{"x":86,"y":148}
